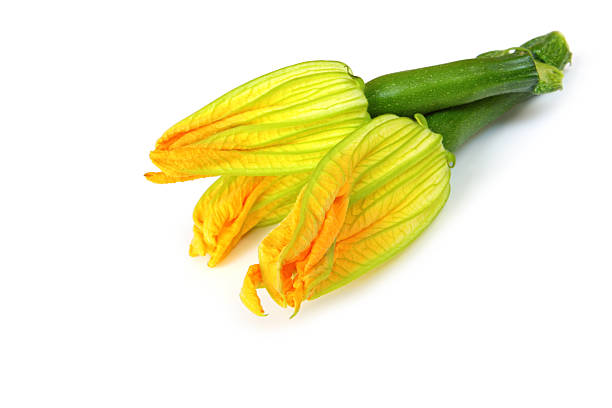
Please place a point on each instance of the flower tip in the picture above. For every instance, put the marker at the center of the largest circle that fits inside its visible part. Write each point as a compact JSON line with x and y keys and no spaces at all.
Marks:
{"x":254,"y":308}
{"x":295,"y":311}
{"x":162,"y":178}
{"x":197,"y":246}
{"x":153,"y":177}
{"x":248,"y":293}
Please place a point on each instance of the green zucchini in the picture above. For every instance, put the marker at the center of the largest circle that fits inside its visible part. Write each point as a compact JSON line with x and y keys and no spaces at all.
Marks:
{"x":459,"y":123}
{"x":460,"y":82}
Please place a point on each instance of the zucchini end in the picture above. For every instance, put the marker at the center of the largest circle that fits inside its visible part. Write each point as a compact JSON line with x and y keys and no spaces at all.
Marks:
{"x":551,"y":78}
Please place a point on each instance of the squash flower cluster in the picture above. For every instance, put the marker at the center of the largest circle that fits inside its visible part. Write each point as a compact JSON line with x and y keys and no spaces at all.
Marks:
{"x":297,"y":146}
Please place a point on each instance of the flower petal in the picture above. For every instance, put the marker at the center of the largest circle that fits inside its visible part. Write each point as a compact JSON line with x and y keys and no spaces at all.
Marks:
{"x":248,"y":293}
{"x":233,"y":205}
{"x":162,"y":178}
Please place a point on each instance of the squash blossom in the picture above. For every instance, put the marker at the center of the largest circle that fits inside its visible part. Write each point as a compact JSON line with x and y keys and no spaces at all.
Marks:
{"x":280,"y":123}
{"x":233,"y":205}
{"x":368,"y":198}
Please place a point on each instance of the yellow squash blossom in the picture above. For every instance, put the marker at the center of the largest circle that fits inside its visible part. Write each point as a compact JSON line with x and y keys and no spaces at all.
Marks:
{"x":280,"y":123}
{"x":233,"y":205}
{"x":368,"y":198}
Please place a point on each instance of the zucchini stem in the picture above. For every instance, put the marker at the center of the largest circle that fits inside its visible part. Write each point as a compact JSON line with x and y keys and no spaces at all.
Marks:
{"x":460,"y":123}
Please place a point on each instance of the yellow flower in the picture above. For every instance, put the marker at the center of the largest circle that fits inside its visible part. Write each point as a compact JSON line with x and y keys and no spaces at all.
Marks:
{"x":233,"y":205}
{"x":280,"y":123}
{"x":368,"y":198}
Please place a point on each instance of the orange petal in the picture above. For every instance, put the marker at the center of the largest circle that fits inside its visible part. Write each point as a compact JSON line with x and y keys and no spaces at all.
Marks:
{"x":162,"y":178}
{"x":248,"y":293}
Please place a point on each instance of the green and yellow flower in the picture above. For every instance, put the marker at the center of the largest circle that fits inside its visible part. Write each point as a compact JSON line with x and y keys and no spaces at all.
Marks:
{"x":281,"y":123}
{"x":368,"y":198}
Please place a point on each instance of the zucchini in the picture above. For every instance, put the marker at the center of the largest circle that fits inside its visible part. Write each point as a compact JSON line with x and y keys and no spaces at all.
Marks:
{"x":442,"y":86}
{"x":459,"y":123}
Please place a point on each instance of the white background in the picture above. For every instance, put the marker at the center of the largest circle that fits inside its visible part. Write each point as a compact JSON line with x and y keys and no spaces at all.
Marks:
{"x":504,"y":302}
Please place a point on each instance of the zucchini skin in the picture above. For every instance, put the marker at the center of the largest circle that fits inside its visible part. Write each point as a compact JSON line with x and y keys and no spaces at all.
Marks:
{"x":551,"y":48}
{"x":459,"y":123}
{"x":442,"y":86}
